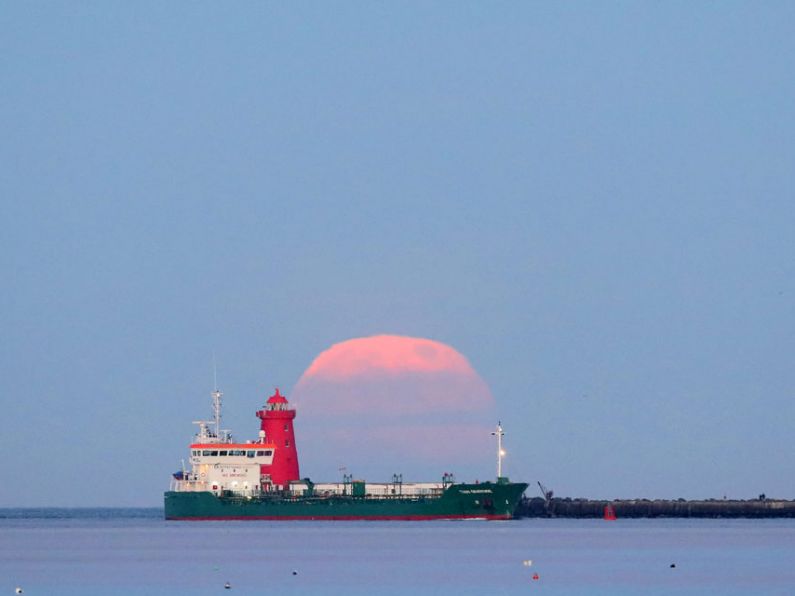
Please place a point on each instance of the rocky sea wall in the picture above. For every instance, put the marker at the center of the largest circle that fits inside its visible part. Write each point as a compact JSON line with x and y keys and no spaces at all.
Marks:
{"x":629,"y":508}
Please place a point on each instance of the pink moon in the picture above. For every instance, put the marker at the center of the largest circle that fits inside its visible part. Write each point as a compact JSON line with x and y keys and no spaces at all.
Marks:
{"x":402,"y":403}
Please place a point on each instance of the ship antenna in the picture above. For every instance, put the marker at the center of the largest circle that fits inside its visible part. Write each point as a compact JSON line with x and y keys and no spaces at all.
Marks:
{"x":215,"y":374}
{"x":500,"y":452}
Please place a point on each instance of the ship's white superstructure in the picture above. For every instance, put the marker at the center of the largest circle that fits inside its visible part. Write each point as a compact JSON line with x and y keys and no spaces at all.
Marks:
{"x":221,"y":466}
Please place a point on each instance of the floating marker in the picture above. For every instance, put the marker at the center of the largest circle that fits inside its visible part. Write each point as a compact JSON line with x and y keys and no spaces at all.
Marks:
{"x":227,"y":586}
{"x":673,"y":565}
{"x":535,"y":576}
{"x":295,"y":572}
{"x":527,"y":562}
{"x":18,"y":590}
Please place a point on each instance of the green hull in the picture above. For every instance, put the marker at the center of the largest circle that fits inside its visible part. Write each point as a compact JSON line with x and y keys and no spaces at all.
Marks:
{"x":459,"y":501}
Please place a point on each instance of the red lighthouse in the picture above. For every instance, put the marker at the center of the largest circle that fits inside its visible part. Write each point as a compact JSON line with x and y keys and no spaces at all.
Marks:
{"x":277,"y":423}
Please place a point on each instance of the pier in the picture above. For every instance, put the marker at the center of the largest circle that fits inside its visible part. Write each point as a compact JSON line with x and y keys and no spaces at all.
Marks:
{"x":637,"y":508}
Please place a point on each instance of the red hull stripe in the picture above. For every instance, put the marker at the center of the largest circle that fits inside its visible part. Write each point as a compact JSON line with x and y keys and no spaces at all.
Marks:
{"x":233,"y":446}
{"x":337,"y":517}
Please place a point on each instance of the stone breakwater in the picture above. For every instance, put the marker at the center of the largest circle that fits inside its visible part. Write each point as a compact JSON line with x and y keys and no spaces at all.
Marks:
{"x":628,"y":508}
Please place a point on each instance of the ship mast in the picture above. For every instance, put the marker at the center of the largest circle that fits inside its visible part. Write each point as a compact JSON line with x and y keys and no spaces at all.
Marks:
{"x":500,"y":452}
{"x":216,"y":400}
{"x":217,"y":412}
{"x":216,"y":434}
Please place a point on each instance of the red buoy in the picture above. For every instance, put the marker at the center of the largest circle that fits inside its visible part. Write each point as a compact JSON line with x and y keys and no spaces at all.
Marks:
{"x":610,"y":514}
{"x":535,"y":576}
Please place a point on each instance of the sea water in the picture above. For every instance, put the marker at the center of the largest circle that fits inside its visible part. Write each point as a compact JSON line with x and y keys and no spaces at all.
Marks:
{"x":134,"y":551}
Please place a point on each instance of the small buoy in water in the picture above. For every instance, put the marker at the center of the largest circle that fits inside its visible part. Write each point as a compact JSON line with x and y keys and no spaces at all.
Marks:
{"x":295,"y":572}
{"x":673,"y":565}
{"x":18,"y":590}
{"x":227,"y":586}
{"x":535,"y":576}
{"x":527,"y":562}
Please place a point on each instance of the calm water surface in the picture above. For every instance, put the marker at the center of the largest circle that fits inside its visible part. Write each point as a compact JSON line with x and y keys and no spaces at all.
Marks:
{"x":133,"y":551}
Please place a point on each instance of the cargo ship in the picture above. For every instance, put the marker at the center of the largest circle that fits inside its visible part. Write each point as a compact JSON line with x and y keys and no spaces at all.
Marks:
{"x":259,"y":480}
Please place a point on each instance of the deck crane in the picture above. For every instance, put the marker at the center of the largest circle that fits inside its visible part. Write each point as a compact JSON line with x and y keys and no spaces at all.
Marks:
{"x":547,"y":494}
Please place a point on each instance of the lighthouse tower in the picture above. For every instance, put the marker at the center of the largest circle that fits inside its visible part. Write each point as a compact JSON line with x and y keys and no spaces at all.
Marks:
{"x":277,"y":424}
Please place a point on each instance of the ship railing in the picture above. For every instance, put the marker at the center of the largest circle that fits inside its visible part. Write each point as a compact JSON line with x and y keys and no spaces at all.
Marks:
{"x":376,"y":488}
{"x":189,"y":485}
{"x":326,"y":495}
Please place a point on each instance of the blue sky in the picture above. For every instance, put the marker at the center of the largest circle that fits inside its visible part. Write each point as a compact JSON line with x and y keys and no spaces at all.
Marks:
{"x":593,"y":202}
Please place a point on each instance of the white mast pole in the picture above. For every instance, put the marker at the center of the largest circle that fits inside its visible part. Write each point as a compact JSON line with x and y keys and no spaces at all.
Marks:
{"x":216,"y":402}
{"x":499,"y":434}
{"x":217,"y":412}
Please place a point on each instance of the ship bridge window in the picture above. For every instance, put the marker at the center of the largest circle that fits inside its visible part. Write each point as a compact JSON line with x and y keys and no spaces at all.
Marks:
{"x":250,"y":453}
{"x":206,"y":452}
{"x":195,"y":452}
{"x":237,"y":452}
{"x":214,"y":453}
{"x":262,"y":453}
{"x":222,"y":453}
